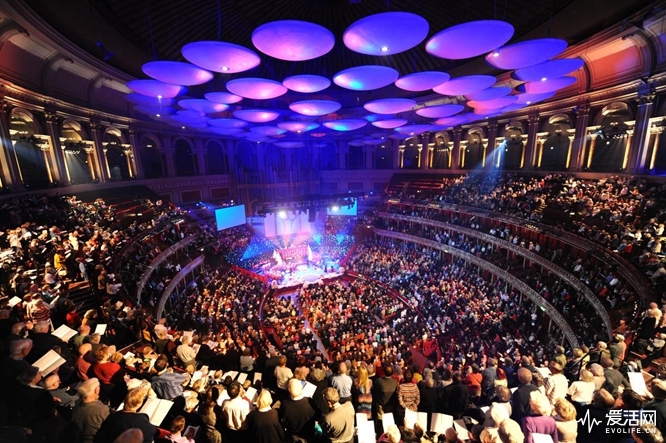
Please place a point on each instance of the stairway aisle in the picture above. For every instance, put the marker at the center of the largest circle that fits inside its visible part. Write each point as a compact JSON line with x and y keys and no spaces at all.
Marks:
{"x":293,"y":296}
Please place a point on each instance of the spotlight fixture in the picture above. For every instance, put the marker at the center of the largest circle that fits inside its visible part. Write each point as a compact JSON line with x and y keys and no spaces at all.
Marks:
{"x":335,"y":208}
{"x":384,"y":48}
{"x":496,"y":53}
{"x":282,"y":214}
{"x":543,"y":79}
{"x":225,"y":68}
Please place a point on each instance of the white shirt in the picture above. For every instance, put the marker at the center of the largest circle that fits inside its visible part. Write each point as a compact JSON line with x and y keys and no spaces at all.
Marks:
{"x":235,"y":411}
{"x":556,"y":387}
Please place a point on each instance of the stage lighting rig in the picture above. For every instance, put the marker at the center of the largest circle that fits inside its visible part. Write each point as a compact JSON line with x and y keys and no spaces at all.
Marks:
{"x":309,"y":202}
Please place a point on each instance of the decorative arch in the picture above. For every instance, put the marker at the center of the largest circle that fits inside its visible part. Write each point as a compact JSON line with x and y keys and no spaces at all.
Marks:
{"x":29,"y":150}
{"x":615,"y":111}
{"x":410,"y":155}
{"x":184,"y":157}
{"x":556,"y":149}
{"x":23,"y":117}
{"x":328,"y":156}
{"x":78,"y":152}
{"x":512,"y":127}
{"x":117,"y":154}
{"x":73,"y":129}
{"x":115,"y":132}
{"x":216,"y":158}
{"x":245,"y":160}
{"x":152,"y":159}
{"x":383,"y":156}
{"x":442,"y":151}
{"x":609,"y":151}
{"x":473,"y":148}
{"x":513,"y":156}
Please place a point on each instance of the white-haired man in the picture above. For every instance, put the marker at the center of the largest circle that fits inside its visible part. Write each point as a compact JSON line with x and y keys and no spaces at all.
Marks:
{"x":91,"y":413}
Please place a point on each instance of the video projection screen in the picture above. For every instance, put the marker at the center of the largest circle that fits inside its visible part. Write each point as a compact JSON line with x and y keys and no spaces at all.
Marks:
{"x":343,"y":210}
{"x":286,"y":223}
{"x":229,"y":217}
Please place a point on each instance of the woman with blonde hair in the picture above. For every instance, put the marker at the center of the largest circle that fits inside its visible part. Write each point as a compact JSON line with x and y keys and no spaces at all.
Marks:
{"x":363,"y":391}
{"x":263,"y":423}
{"x":565,"y":420}
{"x":510,"y":432}
{"x":540,"y":421}
{"x":581,"y":391}
{"x":130,"y":417}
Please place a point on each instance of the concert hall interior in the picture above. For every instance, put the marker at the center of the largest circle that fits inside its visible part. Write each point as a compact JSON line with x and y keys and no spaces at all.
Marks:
{"x":332,"y":221}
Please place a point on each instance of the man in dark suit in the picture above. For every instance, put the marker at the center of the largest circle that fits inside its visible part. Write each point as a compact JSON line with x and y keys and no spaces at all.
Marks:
{"x":384,"y":393}
{"x":457,"y":396}
{"x":658,"y":404}
{"x":521,"y":397}
{"x":43,"y":342}
{"x":297,"y":415}
{"x":614,"y":378}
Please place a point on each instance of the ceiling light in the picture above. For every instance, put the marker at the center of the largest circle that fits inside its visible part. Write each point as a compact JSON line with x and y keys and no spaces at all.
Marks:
{"x":543,"y":79}
{"x":496,"y":53}
{"x":157,"y":115}
{"x":225,"y":68}
{"x":183,"y":127}
{"x":528,"y":102}
{"x":159,"y":97}
{"x":385,"y":48}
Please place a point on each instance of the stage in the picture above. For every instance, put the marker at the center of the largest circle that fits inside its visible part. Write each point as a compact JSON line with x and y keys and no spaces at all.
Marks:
{"x":307,"y":273}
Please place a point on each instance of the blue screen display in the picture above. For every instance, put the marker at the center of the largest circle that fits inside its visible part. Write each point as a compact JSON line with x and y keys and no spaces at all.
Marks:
{"x":229,"y":217}
{"x":343,"y":210}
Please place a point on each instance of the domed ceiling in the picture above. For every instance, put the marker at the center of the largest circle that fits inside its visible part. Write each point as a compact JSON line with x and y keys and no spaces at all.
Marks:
{"x":319,"y":61}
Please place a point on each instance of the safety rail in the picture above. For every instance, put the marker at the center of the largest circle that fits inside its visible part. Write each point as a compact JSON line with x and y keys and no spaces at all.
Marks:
{"x":636,"y":278}
{"x":530,"y":293}
{"x":175,"y":282}
{"x":565,"y":275}
{"x":157,"y":261}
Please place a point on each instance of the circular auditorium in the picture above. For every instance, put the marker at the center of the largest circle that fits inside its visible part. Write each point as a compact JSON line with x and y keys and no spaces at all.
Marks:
{"x":332,"y":221}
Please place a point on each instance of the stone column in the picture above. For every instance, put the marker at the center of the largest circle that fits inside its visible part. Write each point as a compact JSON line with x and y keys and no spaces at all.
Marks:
{"x":135,"y":154}
{"x":456,"y":152}
{"x":541,"y":138}
{"x":523,"y":141}
{"x":342,"y":155}
{"x":397,"y":155}
{"x":500,"y":152}
{"x":424,"y":152}
{"x":578,"y":160}
{"x":100,"y":153}
{"x":463,"y":153}
{"x":450,"y":147}
{"x":656,"y":130}
{"x":593,"y":144}
{"x":53,"y":131}
{"x":571,"y":135}
{"x":628,"y":148}
{"x":369,"y":149}
{"x":639,"y":148}
{"x":11,"y":173}
{"x":200,"y":152}
{"x":168,"y":154}
{"x":490,"y":145}
{"x":531,"y":145}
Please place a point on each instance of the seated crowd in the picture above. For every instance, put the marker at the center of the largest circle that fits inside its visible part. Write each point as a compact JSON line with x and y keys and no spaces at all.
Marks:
{"x":327,"y":359}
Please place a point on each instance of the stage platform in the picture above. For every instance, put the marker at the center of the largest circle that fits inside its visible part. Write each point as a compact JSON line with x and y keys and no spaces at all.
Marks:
{"x":304,"y":273}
